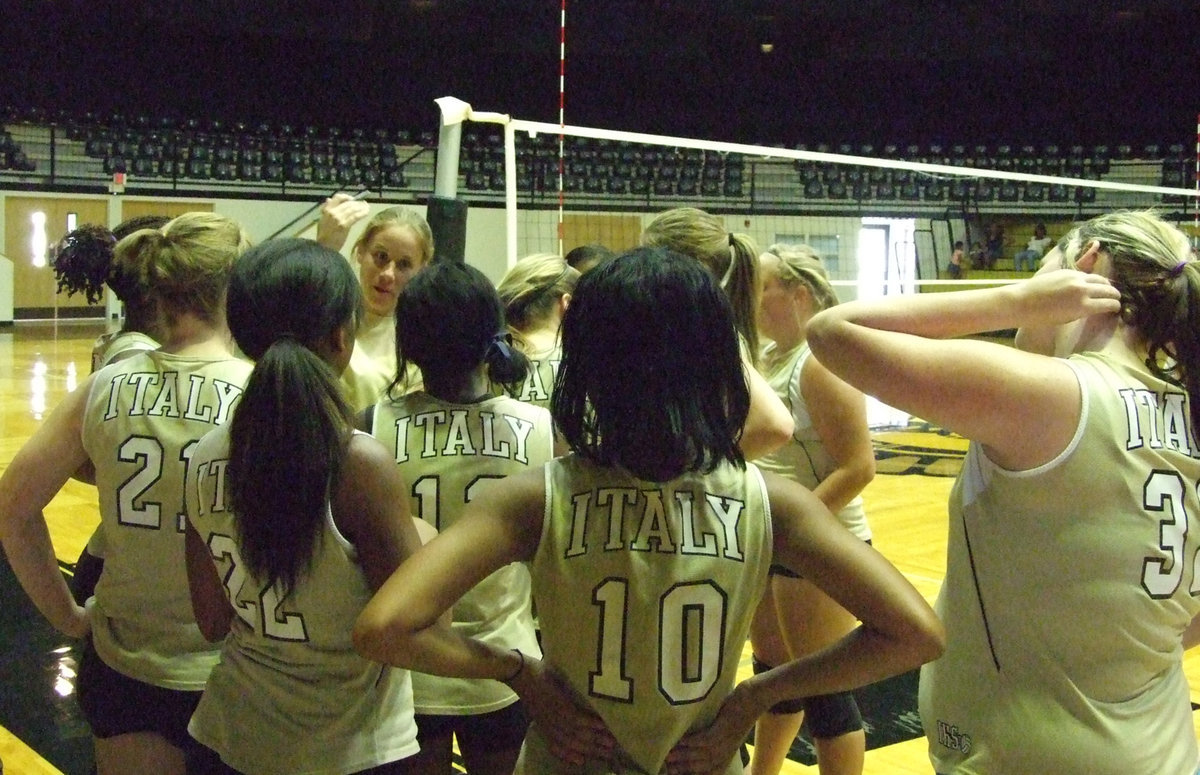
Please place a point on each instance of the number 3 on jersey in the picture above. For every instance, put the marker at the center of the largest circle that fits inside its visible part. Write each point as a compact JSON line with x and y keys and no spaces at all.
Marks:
{"x":1163,"y":492}
{"x":691,"y":640}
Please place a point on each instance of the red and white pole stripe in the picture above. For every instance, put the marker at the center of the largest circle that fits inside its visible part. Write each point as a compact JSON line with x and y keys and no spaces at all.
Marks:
{"x":1196,"y":201}
{"x":562,"y":77}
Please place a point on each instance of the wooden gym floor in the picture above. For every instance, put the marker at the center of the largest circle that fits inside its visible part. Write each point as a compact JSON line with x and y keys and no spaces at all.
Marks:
{"x":41,"y":731}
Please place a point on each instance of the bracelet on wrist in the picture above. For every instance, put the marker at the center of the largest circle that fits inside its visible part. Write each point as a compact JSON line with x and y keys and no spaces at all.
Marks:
{"x":518,"y":671}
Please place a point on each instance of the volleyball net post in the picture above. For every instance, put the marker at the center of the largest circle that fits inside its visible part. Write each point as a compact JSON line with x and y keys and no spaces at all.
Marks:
{"x":445,"y":212}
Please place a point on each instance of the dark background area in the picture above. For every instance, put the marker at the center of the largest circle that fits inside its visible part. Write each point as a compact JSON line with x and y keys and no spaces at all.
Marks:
{"x":1064,"y":71}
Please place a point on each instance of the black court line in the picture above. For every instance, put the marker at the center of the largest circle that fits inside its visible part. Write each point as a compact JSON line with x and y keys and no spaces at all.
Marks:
{"x":922,"y":459}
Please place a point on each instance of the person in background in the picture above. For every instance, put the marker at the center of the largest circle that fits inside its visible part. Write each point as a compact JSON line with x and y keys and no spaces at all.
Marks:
{"x":977,"y":256}
{"x":830,"y":453}
{"x":732,"y":259}
{"x":649,"y":546}
{"x":284,"y":550}
{"x":588,"y":256}
{"x":394,"y":246}
{"x":536,"y":292}
{"x":995,"y":244}
{"x":957,"y":262}
{"x":1069,"y":594}
{"x":1039,"y":243}
{"x":85,"y":264}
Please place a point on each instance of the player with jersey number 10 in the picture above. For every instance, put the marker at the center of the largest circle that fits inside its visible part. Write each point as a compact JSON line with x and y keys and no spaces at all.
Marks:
{"x":649,"y":546}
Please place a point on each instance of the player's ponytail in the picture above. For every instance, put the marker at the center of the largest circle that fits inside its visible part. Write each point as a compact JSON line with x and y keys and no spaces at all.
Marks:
{"x":1156,"y":270}
{"x":532,"y":289}
{"x":730,"y":257}
{"x":287,"y":299}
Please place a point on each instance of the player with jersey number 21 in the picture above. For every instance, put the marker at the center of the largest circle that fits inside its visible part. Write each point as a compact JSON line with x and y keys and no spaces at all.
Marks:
{"x":649,"y":546}
{"x":1070,"y":588}
{"x":135,"y":423}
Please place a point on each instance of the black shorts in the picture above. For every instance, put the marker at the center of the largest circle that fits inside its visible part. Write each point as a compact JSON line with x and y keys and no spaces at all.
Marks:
{"x":202,"y":760}
{"x":500,"y":730}
{"x":115,"y":704}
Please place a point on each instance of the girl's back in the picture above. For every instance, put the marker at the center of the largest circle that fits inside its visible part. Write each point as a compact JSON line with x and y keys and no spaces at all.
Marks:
{"x":295,"y":652}
{"x":447,"y":452}
{"x":142,"y":421}
{"x":645,"y":592}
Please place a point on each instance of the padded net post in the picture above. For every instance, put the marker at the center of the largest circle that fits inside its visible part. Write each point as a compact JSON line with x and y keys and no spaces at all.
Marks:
{"x":446,"y":214}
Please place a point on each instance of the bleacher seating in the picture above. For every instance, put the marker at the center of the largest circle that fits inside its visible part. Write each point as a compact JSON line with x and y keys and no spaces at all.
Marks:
{"x":200,"y":154}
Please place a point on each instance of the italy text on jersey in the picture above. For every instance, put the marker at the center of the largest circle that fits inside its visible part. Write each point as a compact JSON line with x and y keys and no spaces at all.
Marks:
{"x":454,"y":427}
{"x":1161,"y":422}
{"x":536,"y":387}
{"x":203,"y":399}
{"x":637,"y":520}
{"x":1158,"y":424}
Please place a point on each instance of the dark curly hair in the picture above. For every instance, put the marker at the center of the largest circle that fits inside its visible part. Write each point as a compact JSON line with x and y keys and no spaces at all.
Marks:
{"x":85,"y":259}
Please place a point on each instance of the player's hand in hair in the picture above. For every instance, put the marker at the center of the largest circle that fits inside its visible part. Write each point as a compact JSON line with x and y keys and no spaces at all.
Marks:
{"x":338,"y":214}
{"x":1064,"y":295}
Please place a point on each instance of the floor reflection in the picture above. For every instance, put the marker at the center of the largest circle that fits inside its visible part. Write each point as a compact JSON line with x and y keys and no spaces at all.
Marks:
{"x":37,"y":682}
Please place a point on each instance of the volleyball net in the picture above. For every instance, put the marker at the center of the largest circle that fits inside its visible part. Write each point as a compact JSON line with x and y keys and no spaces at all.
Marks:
{"x":884,"y":219}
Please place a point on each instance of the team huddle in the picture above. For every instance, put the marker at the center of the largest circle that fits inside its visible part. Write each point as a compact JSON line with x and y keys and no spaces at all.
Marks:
{"x":351,"y":520}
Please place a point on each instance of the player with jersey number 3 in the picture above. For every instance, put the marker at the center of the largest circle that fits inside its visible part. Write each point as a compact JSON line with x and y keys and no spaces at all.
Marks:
{"x":1070,"y":588}
{"x":649,"y":546}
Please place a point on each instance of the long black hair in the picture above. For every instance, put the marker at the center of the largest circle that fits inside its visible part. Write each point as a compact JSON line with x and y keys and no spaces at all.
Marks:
{"x":651,"y":377}
{"x":287,"y":440}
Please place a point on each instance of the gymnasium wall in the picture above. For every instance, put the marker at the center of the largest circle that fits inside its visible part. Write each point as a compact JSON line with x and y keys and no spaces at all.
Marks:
{"x":34,"y":295}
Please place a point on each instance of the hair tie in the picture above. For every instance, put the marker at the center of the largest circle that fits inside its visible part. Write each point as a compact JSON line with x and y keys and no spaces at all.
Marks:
{"x":511,"y":366}
{"x":501,"y":342}
{"x":1177,"y":270}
